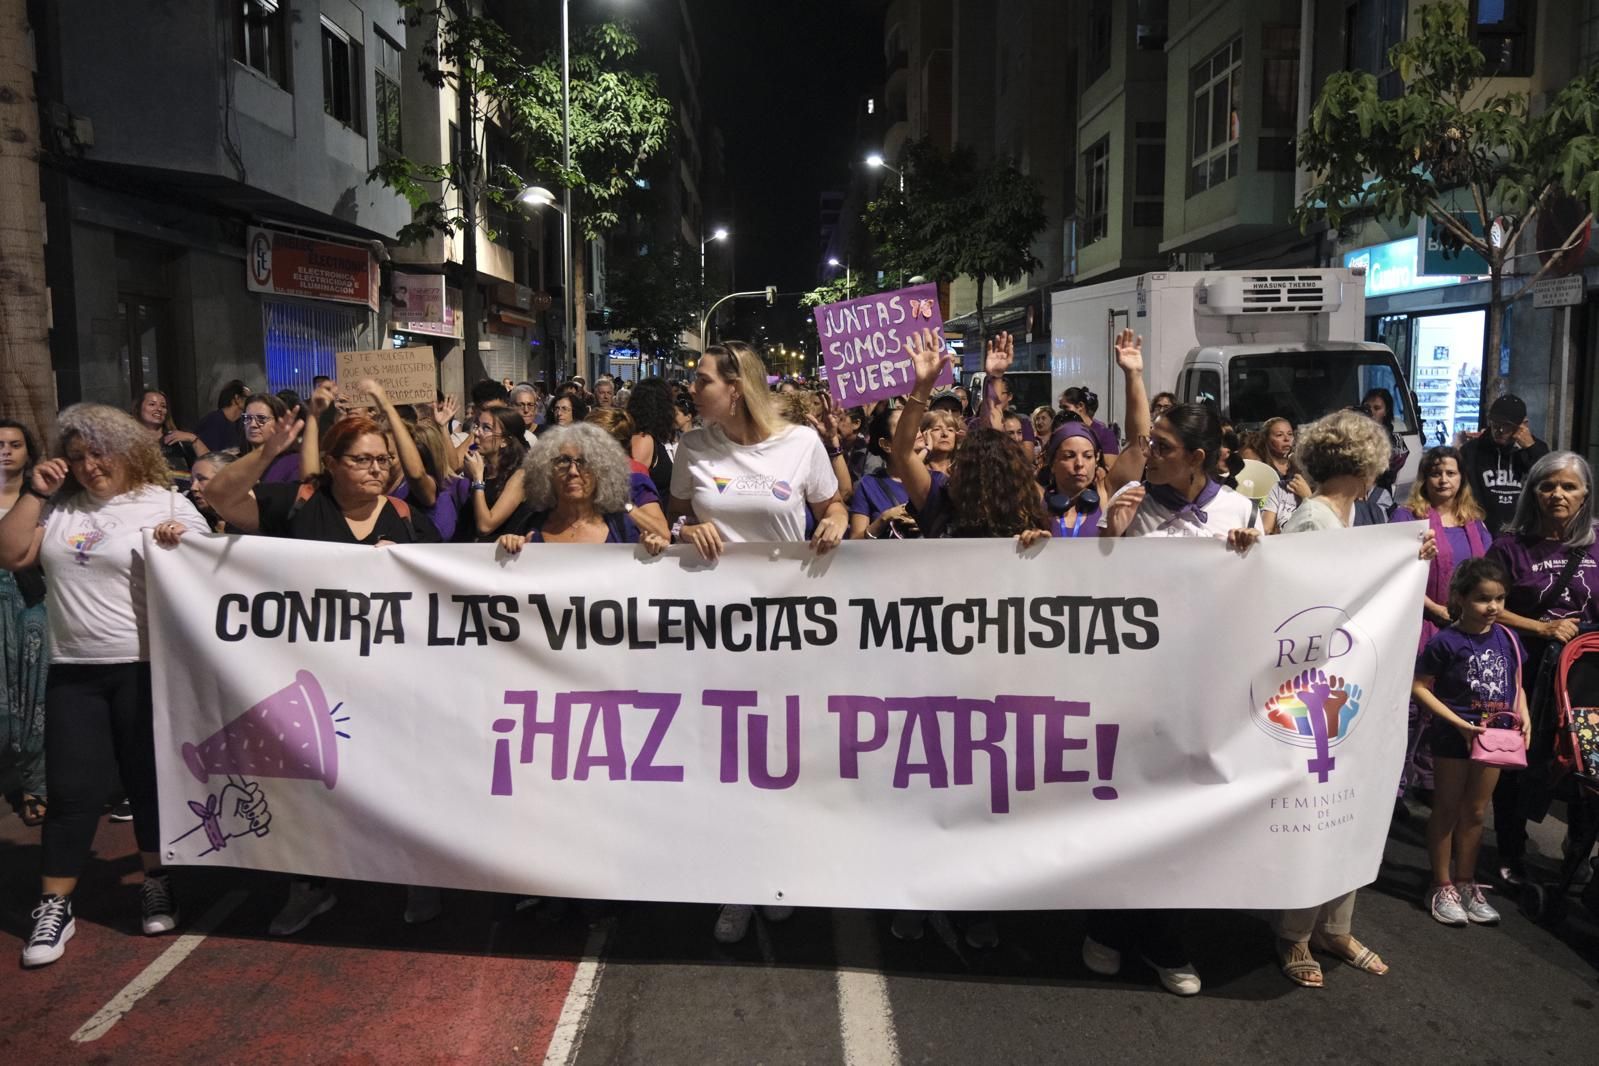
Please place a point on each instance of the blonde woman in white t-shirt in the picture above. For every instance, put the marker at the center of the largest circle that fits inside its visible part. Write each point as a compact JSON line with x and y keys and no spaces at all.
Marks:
{"x":82,"y":517}
{"x":748,"y":476}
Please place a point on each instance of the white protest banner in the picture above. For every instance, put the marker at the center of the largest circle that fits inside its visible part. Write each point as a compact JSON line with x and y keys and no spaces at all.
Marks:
{"x":918,"y":724}
{"x":408,"y":375}
{"x":863,"y":343}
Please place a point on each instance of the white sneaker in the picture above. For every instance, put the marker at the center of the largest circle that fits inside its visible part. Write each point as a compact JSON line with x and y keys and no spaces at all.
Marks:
{"x":1179,"y":980}
{"x":160,"y":908}
{"x":1445,"y":905}
{"x":777,"y":914}
{"x":306,"y":902}
{"x":1478,"y":909}
{"x":422,"y":904}
{"x":53,"y":926}
{"x":1105,"y":961}
{"x":733,"y":922}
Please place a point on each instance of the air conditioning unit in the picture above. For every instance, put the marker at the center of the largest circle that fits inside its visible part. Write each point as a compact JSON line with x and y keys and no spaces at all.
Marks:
{"x":1282,"y":292}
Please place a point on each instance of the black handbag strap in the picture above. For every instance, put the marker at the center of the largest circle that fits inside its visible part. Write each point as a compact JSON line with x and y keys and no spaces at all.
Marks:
{"x":1567,"y":576}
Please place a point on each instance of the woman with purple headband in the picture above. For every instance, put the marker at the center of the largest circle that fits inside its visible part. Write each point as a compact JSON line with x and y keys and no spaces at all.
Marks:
{"x":1073,"y":477}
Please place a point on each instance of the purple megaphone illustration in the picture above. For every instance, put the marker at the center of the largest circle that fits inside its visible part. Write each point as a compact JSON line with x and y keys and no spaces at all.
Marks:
{"x":289,"y":734}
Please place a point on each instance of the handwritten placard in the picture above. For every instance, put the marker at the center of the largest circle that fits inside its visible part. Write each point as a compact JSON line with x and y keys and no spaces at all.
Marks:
{"x":863,"y":343}
{"x":408,"y":375}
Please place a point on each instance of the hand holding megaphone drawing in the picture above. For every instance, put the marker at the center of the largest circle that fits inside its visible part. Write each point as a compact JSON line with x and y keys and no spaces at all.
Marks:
{"x":243,"y":809}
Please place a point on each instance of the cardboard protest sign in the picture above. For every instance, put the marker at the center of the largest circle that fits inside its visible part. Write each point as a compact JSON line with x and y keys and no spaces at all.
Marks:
{"x":408,"y":375}
{"x":863,"y":343}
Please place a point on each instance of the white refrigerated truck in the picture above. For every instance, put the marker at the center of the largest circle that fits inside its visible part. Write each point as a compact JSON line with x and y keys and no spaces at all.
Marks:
{"x":1256,"y":343}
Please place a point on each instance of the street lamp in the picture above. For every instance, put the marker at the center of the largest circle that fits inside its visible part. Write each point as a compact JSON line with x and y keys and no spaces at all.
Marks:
{"x":835,"y":264}
{"x":877,"y":162}
{"x":721,"y":234}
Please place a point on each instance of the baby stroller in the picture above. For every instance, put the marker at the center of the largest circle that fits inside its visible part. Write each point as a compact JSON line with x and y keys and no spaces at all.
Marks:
{"x":1565,"y":756}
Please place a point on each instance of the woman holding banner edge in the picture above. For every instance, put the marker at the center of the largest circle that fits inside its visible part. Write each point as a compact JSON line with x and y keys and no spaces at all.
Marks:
{"x":82,"y":518}
{"x":746,"y":476}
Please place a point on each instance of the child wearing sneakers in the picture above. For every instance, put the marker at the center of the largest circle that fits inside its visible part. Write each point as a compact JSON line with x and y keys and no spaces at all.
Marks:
{"x":1468,"y":673}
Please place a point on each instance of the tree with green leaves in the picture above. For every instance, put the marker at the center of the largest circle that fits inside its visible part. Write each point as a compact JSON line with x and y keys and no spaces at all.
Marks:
{"x":619,"y":121}
{"x":654,"y":298}
{"x":475,"y":57}
{"x":1450,"y":147}
{"x":957,"y":216}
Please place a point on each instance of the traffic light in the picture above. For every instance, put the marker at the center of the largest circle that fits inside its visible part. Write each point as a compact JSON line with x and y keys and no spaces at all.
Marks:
{"x":771,"y":295}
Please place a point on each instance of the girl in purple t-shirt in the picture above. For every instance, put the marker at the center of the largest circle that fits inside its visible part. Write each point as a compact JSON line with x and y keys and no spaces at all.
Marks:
{"x":1468,"y":676}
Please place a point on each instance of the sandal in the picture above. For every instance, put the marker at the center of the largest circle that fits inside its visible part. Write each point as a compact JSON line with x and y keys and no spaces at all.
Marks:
{"x":1352,"y":952}
{"x":1298,"y":965}
{"x":33,"y":808}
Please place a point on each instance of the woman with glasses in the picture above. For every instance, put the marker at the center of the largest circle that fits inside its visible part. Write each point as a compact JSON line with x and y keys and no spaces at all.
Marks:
{"x":575,"y":481}
{"x":567,"y":409}
{"x":82,"y":518}
{"x":492,"y":463}
{"x":346,"y":504}
{"x":1163,"y":402}
{"x":261,"y":414}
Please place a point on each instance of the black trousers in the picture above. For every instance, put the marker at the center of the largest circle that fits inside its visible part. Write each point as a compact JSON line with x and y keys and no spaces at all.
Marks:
{"x":97,"y":728}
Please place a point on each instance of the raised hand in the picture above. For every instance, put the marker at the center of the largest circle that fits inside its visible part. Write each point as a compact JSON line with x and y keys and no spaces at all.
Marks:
{"x":1000,"y":355}
{"x":1130,"y":351}
{"x":285,"y":431}
{"x":928,"y":359}
{"x":374,"y":390}
{"x":49,"y":476}
{"x":444,"y":412}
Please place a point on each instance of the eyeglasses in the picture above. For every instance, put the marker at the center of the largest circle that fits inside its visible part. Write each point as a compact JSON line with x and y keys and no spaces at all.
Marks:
{"x":493,"y":431}
{"x":1160,"y":448}
{"x":576,"y":462}
{"x":369,"y":462}
{"x":256,"y":420}
{"x":526,"y":406}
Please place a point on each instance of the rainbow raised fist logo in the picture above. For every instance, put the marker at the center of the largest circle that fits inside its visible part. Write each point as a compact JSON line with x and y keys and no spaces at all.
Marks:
{"x":1309,"y":697}
{"x":290,"y":734}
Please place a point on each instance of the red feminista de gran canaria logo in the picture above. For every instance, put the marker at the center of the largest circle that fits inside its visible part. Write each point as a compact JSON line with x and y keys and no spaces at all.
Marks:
{"x":1311,"y":696}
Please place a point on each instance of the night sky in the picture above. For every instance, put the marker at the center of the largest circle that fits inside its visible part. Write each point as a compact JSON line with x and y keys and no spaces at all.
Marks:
{"x":782,"y":78}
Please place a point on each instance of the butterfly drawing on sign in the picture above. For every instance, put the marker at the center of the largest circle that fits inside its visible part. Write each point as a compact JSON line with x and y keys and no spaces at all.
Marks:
{"x":922,"y":308}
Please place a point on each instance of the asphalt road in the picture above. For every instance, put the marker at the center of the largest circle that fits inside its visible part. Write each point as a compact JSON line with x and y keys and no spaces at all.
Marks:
{"x":646,"y":984}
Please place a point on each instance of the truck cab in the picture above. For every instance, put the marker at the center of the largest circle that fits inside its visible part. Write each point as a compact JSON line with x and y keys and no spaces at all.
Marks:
{"x":1256,"y":344}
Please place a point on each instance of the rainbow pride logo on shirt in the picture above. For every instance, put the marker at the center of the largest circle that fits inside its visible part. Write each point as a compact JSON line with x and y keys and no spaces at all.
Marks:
{"x":721,"y":483}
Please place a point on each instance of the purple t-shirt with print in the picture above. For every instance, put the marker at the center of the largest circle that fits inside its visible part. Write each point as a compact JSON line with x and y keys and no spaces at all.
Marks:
{"x":1473,"y":673}
{"x":1534,"y":565}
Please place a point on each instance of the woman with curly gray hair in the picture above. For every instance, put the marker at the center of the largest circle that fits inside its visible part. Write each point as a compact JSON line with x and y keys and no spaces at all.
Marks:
{"x":82,"y":517}
{"x":575,"y":482}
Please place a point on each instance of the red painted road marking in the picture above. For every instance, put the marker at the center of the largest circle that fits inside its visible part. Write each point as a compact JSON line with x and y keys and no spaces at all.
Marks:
{"x":358,"y":986}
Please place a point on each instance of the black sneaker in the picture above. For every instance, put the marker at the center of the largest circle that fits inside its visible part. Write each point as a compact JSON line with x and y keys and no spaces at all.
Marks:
{"x":160,"y":906}
{"x":122,"y":812}
{"x":52,"y":928}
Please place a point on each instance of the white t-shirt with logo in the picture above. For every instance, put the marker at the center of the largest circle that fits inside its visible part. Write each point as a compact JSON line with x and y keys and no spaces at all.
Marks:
{"x":753,"y":492}
{"x":92,"y":554}
{"x":1227,"y":512}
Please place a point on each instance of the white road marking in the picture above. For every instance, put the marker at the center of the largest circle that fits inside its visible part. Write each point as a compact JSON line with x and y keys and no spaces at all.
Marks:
{"x":152,"y":975}
{"x":574,"y":1019}
{"x":865,"y":1016}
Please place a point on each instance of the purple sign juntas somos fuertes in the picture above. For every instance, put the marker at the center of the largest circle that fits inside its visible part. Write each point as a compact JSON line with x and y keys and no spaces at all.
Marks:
{"x":863,"y":343}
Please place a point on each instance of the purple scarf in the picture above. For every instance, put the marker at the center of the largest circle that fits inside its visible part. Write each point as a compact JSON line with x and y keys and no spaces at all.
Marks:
{"x":1443,"y":567}
{"x":1179,"y":505}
